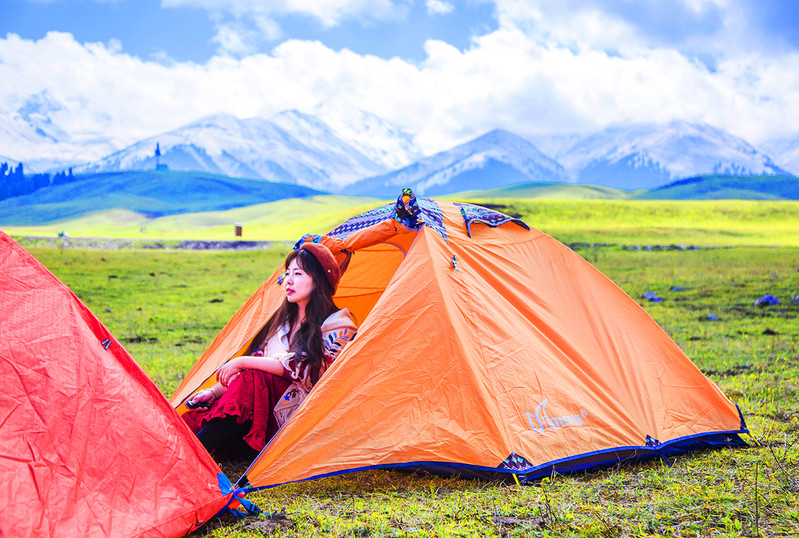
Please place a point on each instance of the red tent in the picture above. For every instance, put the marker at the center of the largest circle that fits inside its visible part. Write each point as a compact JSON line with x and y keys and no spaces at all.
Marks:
{"x":90,"y":446}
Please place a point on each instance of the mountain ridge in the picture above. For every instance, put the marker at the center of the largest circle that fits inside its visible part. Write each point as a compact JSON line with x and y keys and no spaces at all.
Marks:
{"x":649,"y":155}
{"x":501,"y":152}
{"x":254,"y":148}
{"x":344,"y":150}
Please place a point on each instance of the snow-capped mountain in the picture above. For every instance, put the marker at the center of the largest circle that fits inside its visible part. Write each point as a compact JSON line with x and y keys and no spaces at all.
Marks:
{"x":555,"y":145}
{"x":290,"y":147}
{"x":785,"y":153}
{"x":343,"y":149}
{"x":493,"y":160}
{"x":646,"y":156}
{"x":31,"y":135}
{"x":375,"y":137}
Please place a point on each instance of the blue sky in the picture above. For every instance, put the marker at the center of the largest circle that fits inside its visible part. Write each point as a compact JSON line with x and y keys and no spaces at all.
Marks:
{"x":151,"y":29}
{"x":143,"y":28}
{"x":104,"y":73}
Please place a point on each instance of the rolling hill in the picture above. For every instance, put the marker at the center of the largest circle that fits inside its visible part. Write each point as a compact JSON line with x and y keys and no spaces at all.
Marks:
{"x":708,"y":187}
{"x":540,"y":189}
{"x":282,"y":220}
{"x":150,"y":193}
{"x":724,"y":187}
{"x":180,"y":205}
{"x":620,"y":221}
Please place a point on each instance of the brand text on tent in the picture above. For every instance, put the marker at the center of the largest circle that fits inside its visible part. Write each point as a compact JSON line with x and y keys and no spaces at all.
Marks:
{"x":541,"y":421}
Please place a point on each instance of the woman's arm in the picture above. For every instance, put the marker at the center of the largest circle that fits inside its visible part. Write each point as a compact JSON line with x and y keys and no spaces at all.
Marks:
{"x":334,"y":341}
{"x":230,"y":369}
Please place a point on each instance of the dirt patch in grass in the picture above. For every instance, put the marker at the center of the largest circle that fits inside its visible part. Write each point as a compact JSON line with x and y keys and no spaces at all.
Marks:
{"x":738,"y":369}
{"x":269,"y":523}
{"x":138,"y":339}
{"x":505,"y":523}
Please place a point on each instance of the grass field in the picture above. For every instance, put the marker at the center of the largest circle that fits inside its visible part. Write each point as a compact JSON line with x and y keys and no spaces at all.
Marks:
{"x":649,"y":222}
{"x":644,"y":222}
{"x":283,"y":219}
{"x":167,"y":306}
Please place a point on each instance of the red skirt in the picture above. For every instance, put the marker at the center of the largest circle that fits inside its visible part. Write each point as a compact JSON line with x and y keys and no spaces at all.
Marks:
{"x":251,"y":396}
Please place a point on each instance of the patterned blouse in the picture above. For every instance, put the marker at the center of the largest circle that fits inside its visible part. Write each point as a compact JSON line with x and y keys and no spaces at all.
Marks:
{"x":337,"y":330}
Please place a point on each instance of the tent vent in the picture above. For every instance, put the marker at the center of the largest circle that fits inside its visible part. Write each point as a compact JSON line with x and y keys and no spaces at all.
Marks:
{"x":515,"y":462}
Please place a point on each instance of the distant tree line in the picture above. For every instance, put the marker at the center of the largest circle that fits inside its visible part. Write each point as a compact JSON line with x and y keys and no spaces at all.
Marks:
{"x":14,"y":182}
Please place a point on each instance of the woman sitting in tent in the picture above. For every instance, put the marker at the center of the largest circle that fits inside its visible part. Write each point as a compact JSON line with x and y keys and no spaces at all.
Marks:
{"x":257,"y":393}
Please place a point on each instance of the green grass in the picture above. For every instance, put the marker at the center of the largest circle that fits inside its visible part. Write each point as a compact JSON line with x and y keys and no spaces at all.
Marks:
{"x":664,"y":222}
{"x":643,"y":222}
{"x":285,"y":219}
{"x":166,"y":307}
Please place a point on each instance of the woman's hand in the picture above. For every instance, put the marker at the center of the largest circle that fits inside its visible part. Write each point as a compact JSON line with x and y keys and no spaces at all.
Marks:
{"x":228,"y":371}
{"x":204,"y":396}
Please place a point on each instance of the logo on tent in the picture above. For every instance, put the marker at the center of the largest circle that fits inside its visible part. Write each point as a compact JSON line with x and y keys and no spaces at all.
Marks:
{"x":541,"y":421}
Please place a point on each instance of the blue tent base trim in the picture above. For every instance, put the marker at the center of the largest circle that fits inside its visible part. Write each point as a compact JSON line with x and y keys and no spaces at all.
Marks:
{"x":593,"y":461}
{"x":601,"y":459}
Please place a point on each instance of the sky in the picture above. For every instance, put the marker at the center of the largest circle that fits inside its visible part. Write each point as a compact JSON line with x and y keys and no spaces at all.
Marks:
{"x":110,"y":72}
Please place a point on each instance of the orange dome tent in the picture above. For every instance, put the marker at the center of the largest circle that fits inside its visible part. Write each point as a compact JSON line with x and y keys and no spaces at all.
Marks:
{"x":90,"y":446}
{"x":485,"y":348}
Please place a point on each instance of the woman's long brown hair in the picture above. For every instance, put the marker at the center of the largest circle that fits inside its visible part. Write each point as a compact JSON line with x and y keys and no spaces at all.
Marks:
{"x":307,"y":341}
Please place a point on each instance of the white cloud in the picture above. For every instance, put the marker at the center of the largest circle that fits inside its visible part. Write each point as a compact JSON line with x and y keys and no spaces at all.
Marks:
{"x":703,"y":28}
{"x":328,"y":12}
{"x":439,"y":7}
{"x":268,"y":27}
{"x":235,"y":39}
{"x":531,"y":76}
{"x":699,"y":6}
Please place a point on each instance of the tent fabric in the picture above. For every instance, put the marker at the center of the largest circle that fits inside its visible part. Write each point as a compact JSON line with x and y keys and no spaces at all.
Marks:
{"x":484,"y":346}
{"x":90,"y":446}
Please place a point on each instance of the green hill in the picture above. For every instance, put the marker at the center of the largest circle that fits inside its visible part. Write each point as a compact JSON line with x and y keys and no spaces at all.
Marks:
{"x":692,"y":222}
{"x":691,"y":211}
{"x":540,"y":189}
{"x":149,"y":193}
{"x":705,"y":187}
{"x":722,"y":187}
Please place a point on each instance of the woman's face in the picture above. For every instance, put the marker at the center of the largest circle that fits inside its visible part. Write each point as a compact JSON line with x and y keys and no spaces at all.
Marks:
{"x":299,"y":284}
